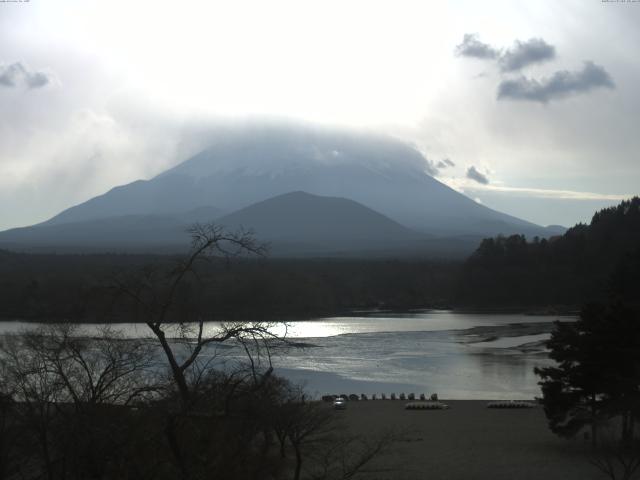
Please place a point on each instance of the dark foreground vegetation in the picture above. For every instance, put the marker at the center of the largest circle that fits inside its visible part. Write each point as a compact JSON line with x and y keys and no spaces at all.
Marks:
{"x":593,"y":390}
{"x":108,"y":408}
{"x":73,"y":407}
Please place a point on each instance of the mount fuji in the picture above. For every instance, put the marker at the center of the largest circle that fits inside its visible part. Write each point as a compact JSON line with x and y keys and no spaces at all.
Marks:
{"x":372,"y":192}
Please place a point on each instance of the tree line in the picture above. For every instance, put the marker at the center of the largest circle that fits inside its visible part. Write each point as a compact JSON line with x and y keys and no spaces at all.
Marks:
{"x":567,"y":270}
{"x":80,"y":288}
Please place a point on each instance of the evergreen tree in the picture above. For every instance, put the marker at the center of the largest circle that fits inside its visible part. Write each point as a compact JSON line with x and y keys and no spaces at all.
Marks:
{"x":598,"y":372}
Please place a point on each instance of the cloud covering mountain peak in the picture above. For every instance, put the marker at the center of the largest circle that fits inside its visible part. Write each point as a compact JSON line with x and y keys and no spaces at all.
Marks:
{"x":247,"y":164}
{"x":280,"y":149}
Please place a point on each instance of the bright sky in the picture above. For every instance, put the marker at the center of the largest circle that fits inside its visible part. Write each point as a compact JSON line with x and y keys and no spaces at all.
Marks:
{"x":98,"y":93}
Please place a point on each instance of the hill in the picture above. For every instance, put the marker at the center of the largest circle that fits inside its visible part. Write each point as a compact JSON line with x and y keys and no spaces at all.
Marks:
{"x":310,"y":224}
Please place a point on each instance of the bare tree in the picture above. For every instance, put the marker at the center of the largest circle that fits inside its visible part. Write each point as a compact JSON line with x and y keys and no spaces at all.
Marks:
{"x":65,"y":385}
{"x":105,"y":368}
{"x":155,"y":295}
{"x":7,"y":431}
{"x":168,"y":306}
{"x":307,"y":423}
{"x":348,"y":456}
{"x":618,"y":459}
{"x":322,"y":447}
{"x":28,"y":377}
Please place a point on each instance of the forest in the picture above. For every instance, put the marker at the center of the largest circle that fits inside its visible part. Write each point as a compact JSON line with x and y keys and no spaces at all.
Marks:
{"x":82,"y":288}
{"x":568,"y":270}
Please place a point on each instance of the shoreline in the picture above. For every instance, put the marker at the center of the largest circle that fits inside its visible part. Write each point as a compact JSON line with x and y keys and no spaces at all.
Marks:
{"x":533,"y":311}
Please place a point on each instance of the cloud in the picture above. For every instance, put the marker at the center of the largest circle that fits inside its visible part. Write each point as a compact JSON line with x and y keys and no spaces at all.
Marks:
{"x":555,"y":194}
{"x":473,"y":188}
{"x":17,"y":75}
{"x":45,"y":169}
{"x":561,"y":84}
{"x":522,"y":54}
{"x":534,"y":50}
{"x":474,"y":48}
{"x":433,"y":168}
{"x":474,"y":174}
{"x":444,"y":163}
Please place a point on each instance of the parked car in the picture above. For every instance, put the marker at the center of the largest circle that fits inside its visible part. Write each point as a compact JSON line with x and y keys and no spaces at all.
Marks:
{"x":339,"y":404}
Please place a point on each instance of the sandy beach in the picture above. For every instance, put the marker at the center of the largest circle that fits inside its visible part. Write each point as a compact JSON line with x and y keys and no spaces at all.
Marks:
{"x":469,"y":441}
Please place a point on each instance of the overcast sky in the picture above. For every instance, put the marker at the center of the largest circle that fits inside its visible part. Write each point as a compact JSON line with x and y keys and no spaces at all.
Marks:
{"x":530,"y":107}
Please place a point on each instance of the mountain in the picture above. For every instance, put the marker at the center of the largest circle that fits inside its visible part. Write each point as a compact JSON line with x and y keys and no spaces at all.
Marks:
{"x":295,"y":223}
{"x":554,"y":230}
{"x":243,"y":166}
{"x":125,"y":233}
{"x":137,"y":233}
{"x":309,"y":224}
{"x":364,"y":192}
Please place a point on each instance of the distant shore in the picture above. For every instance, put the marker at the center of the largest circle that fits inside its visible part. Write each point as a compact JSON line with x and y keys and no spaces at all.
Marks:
{"x":352,"y":312}
{"x":468,"y":441}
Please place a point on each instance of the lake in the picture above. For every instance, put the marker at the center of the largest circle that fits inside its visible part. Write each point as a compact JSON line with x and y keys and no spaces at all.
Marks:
{"x":457,"y":355}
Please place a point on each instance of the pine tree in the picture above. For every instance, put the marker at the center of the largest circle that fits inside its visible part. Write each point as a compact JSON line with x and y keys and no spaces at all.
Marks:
{"x":598,"y":372}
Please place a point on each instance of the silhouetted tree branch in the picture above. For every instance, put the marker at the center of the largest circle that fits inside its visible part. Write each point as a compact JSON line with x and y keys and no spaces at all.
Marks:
{"x":155,"y":295}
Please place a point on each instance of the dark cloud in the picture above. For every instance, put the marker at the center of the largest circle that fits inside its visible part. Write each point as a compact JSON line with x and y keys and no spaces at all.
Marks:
{"x":534,"y":50}
{"x":472,"y":47}
{"x":17,"y":75}
{"x":474,"y":174}
{"x":444,"y":163}
{"x":561,"y":84}
{"x":433,"y":168}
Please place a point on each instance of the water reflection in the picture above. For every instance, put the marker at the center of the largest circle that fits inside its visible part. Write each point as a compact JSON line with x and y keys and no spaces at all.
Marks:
{"x":431,"y":320}
{"x":421,"y":361}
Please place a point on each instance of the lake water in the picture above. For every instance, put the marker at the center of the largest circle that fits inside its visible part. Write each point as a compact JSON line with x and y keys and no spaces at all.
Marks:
{"x":457,"y":355}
